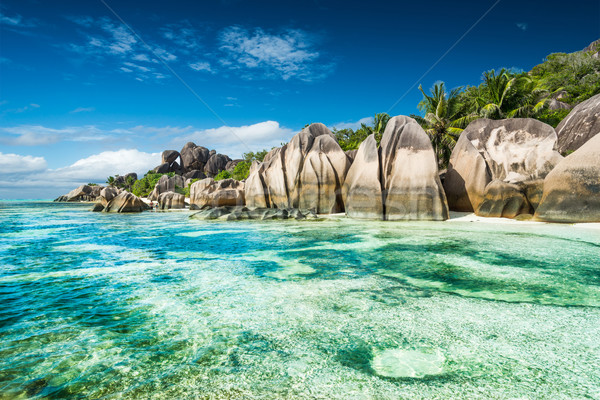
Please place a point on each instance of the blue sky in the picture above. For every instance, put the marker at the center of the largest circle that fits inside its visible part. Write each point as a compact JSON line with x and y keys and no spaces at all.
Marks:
{"x":83,"y":96}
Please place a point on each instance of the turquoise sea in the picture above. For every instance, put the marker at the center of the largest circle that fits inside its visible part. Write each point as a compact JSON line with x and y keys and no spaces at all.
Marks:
{"x":160,"y":306}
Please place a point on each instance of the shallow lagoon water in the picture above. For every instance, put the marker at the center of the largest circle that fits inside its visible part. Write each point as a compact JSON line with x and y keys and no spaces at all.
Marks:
{"x":156,"y":305}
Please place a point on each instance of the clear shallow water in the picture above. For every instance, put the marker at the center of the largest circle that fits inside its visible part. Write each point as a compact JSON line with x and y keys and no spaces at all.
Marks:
{"x":156,"y":305}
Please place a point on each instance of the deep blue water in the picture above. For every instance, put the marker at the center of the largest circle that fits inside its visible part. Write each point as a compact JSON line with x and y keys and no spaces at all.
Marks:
{"x":157,"y":305}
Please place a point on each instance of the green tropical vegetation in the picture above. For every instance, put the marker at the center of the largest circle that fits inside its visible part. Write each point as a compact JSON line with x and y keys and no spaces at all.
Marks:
{"x":350,"y":139}
{"x":143,"y":187}
{"x":222,"y":175}
{"x":562,"y":79}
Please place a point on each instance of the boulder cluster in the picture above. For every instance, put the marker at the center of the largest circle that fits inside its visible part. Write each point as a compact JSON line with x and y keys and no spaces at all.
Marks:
{"x":194,"y":162}
{"x":510,"y":168}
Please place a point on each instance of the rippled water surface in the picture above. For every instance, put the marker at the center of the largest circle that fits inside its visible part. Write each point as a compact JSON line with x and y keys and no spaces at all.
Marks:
{"x":156,"y":305}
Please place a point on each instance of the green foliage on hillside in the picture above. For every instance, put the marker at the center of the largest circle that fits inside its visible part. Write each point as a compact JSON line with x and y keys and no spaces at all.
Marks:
{"x":241,"y":170}
{"x":143,"y":187}
{"x":222,"y":175}
{"x":569,"y":78}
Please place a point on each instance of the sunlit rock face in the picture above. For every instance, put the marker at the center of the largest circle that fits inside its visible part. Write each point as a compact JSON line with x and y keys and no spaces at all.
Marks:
{"x":308,"y":172}
{"x":171,"y":200}
{"x":514,"y":151}
{"x":210,"y":193}
{"x":398,"y":181}
{"x":362,"y":188}
{"x":125,"y":202}
{"x":580,"y":125}
{"x":166,"y":184}
{"x":572,"y":189}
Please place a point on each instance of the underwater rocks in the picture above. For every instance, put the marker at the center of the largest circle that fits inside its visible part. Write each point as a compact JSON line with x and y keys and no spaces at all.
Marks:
{"x":580,"y":125}
{"x":516,"y":151}
{"x":211,"y":193}
{"x":572,"y":190}
{"x":251,"y":213}
{"x":124,"y":202}
{"x":307,"y":172}
{"x":398,"y":181}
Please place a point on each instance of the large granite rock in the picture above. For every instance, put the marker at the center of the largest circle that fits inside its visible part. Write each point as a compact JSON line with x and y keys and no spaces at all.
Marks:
{"x":166,"y":184}
{"x":502,"y":199}
{"x":215,"y":164}
{"x":399,"y":181}
{"x":232,"y":164}
{"x":194,"y":174}
{"x":580,"y":125}
{"x":169,"y":156}
{"x":245,"y":213}
{"x":412,"y":189}
{"x":362,"y":189}
{"x":321,"y":178}
{"x":107,"y":194}
{"x":82,"y":193}
{"x":307,"y":172}
{"x":207,"y":192}
{"x":125,"y":202}
{"x":171,"y":200}
{"x":515,"y":151}
{"x":255,"y":191}
{"x":572,"y":189}
{"x":193,"y":157}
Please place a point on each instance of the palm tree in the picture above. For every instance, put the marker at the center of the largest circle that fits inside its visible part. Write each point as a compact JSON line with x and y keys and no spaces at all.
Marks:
{"x":445,"y":118}
{"x":497,"y":89}
{"x":533,"y":99}
{"x":110,"y":180}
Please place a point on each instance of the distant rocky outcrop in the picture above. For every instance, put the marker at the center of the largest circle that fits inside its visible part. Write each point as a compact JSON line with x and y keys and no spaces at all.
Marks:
{"x":124,"y":202}
{"x":194,"y":159}
{"x":582,"y":123}
{"x":511,"y":155}
{"x":246,"y":213}
{"x":82,"y":193}
{"x":398,"y":181}
{"x":308,"y":172}
{"x":211,"y":193}
{"x":572,"y":189}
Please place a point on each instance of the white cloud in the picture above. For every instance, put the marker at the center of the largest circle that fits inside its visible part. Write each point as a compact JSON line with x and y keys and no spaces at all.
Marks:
{"x":164,"y":54}
{"x":15,"y":163}
{"x":138,"y":67}
{"x":288,"y":55}
{"x":353,"y":125}
{"x":234,"y":141}
{"x":82,"y":109}
{"x":37,"y":135}
{"x":201,"y":66}
{"x":99,"y":166}
{"x":141,"y":57}
{"x":183,"y":35}
{"x":16,"y":21}
{"x":27,"y":176}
